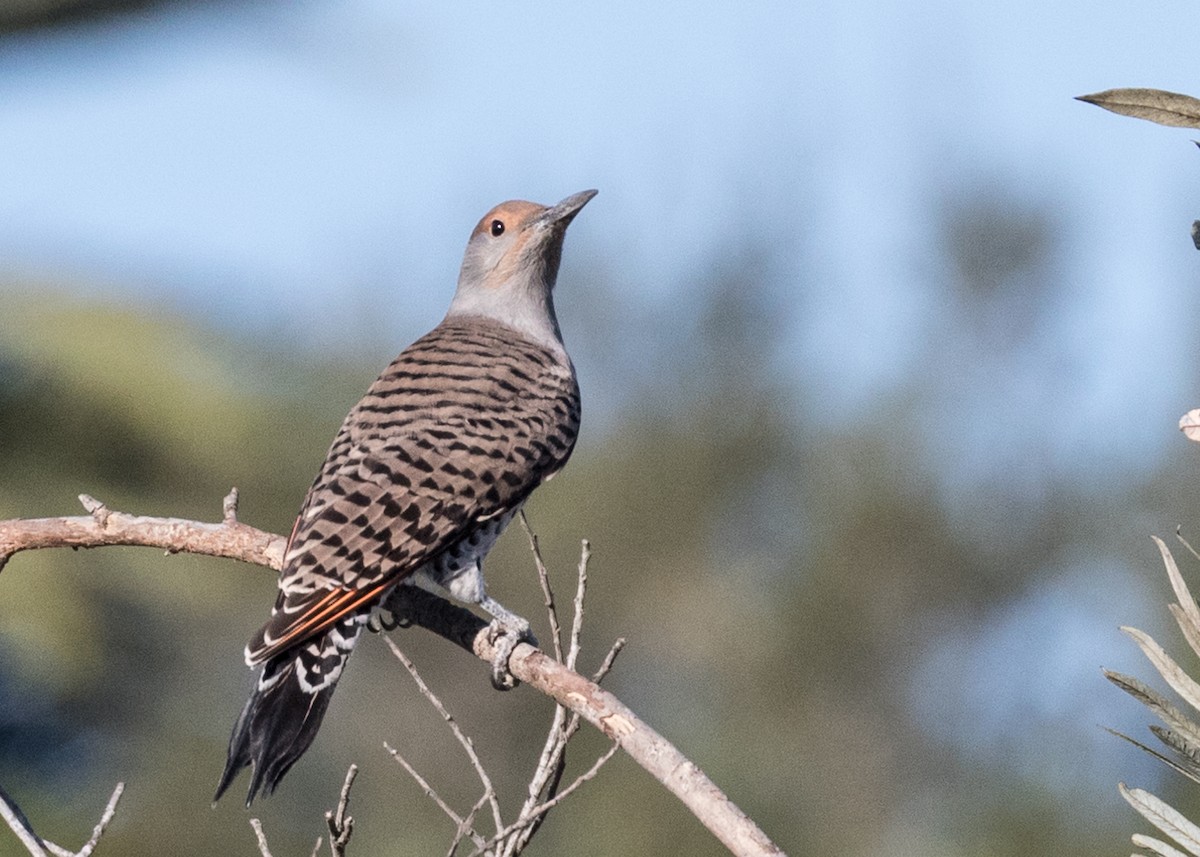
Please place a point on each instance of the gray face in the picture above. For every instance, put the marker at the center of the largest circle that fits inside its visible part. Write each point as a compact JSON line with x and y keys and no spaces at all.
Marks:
{"x":511,"y":264}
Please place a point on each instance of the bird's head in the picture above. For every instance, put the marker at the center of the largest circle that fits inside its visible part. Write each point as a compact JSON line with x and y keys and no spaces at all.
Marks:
{"x":511,"y":265}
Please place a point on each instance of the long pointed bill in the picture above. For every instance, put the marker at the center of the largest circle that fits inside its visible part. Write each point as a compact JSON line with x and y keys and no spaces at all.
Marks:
{"x":562,"y":214}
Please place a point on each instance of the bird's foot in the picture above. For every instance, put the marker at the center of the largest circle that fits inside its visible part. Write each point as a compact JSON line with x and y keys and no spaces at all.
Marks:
{"x":504,"y":637}
{"x":385,"y":619}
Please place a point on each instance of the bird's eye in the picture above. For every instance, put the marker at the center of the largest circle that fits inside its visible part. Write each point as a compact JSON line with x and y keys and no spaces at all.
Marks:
{"x":497,"y":228}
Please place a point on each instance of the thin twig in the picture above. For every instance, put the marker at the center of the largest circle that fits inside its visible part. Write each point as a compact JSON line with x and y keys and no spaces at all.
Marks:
{"x":489,"y":791}
{"x":547,"y":593}
{"x":19,"y":824}
{"x":539,"y":812}
{"x":609,"y":659}
{"x":110,"y":810}
{"x":587,"y":775}
{"x":467,"y":826}
{"x":606,"y":665}
{"x":229,"y":506}
{"x":38,"y":847}
{"x":432,"y":794}
{"x":541,"y":809}
{"x":572,"y":724}
{"x":552,"y":762}
{"x":549,"y":770}
{"x":341,"y":825}
{"x":585,"y":554}
{"x":263,"y":848}
{"x":549,"y":758}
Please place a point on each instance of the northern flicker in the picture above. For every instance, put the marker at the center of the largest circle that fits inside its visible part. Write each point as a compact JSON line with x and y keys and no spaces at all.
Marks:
{"x":425,"y":473}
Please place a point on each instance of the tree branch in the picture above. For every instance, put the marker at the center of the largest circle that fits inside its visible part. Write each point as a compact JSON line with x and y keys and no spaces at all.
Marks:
{"x":235,"y":540}
{"x":102,"y":527}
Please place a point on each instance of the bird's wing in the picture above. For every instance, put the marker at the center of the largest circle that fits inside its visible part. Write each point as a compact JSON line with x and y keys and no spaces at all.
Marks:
{"x":400,"y":486}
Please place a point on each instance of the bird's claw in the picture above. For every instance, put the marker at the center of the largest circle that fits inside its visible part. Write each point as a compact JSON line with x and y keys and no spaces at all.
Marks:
{"x":382,"y":621}
{"x":504,"y":639}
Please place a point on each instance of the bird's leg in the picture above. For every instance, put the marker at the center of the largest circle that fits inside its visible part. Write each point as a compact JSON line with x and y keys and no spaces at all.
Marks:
{"x":505,"y":632}
{"x":464,"y":583}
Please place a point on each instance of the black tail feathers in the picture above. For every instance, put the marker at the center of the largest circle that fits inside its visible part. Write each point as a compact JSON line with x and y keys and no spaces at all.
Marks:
{"x":285,"y":710}
{"x":278,"y":724}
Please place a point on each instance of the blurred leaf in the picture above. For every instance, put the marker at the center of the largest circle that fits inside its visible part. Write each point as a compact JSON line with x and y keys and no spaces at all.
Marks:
{"x":1189,"y":424}
{"x":1158,"y":704}
{"x":1154,"y":105}
{"x":1180,"y":681}
{"x":1167,"y":819}
{"x":1157,"y":846}
{"x":1186,"y":612}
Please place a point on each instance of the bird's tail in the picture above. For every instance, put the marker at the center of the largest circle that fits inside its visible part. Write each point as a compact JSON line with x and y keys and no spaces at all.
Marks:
{"x":284,"y":711}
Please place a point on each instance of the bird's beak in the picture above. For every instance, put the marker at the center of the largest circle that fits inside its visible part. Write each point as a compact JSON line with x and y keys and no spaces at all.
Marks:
{"x":562,"y":214}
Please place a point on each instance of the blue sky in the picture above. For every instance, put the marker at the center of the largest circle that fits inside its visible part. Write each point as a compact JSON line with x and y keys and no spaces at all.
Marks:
{"x":294,"y":164}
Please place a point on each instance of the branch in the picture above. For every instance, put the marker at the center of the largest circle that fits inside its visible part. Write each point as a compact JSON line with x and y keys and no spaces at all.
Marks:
{"x":103,"y":527}
{"x":587,"y":699}
{"x":38,"y":847}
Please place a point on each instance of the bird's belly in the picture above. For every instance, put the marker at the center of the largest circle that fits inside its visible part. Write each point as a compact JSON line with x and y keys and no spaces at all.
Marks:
{"x":459,"y":569}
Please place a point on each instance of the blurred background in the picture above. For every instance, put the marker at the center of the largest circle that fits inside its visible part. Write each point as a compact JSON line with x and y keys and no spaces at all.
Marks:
{"x":883,"y":340}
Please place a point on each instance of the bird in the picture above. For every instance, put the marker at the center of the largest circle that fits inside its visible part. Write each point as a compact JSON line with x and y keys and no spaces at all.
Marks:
{"x":424,"y":475}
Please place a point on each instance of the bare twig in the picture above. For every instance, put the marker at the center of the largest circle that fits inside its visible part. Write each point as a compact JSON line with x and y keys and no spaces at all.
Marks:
{"x":459,"y":822}
{"x":489,"y":791}
{"x":525,"y":826}
{"x":552,"y":762}
{"x":19,"y":824}
{"x":468,"y":825}
{"x":600,"y":708}
{"x":261,"y":836}
{"x":110,"y":810}
{"x":547,"y":592}
{"x":38,"y":847}
{"x":341,"y":825}
{"x":585,"y":554}
{"x":229,"y":506}
{"x":609,"y":660}
{"x":645,"y":746}
{"x":511,"y":840}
